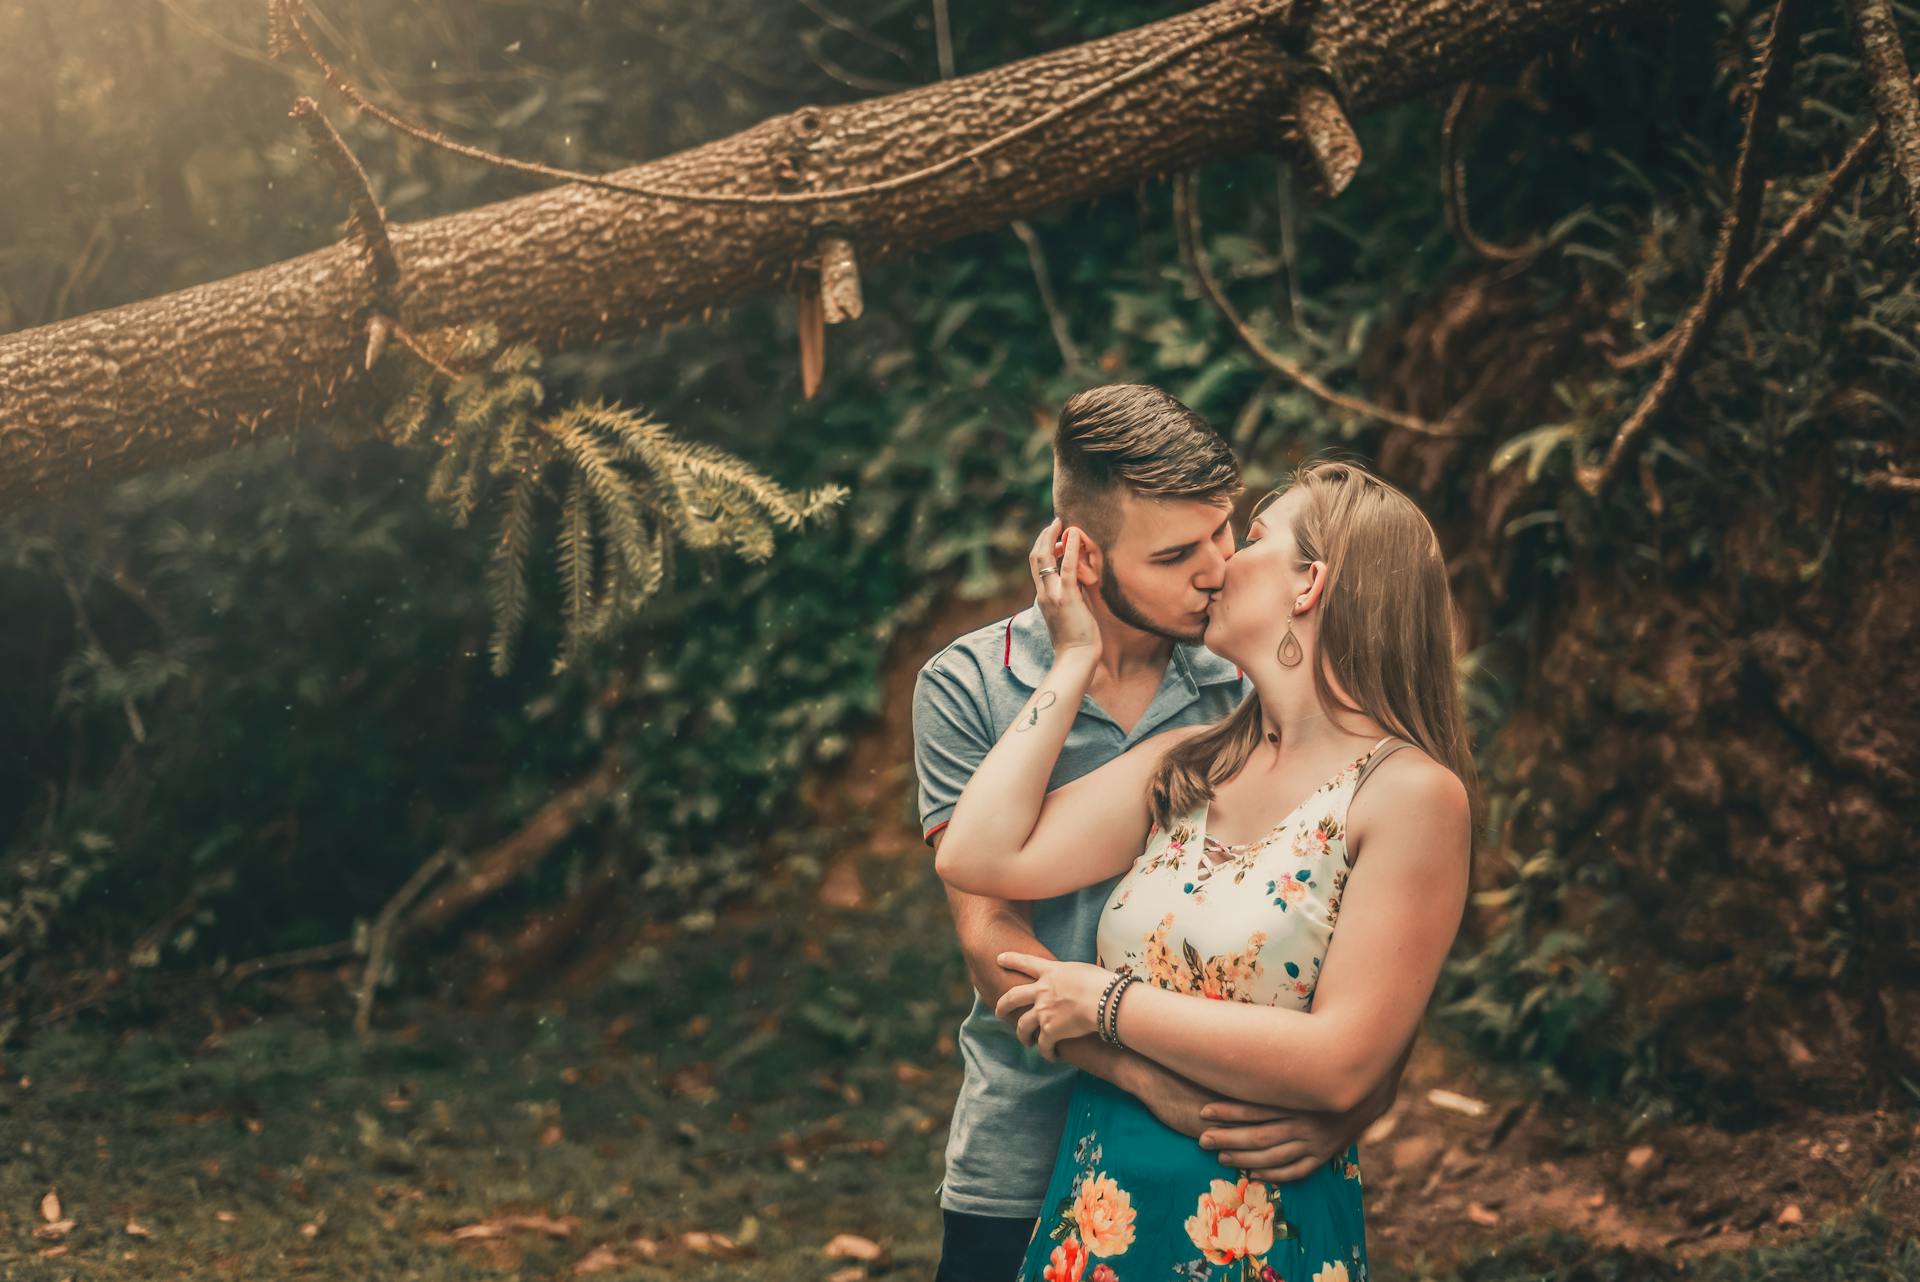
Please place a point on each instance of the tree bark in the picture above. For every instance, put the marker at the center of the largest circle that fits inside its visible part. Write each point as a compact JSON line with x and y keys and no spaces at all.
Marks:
{"x":160,"y":382}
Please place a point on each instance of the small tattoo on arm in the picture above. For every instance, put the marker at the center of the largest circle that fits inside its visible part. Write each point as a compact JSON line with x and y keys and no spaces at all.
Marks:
{"x":1045,"y":700}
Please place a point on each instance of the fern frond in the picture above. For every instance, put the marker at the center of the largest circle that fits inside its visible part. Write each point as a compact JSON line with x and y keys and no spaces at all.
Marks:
{"x":479,"y":337}
{"x":612,"y":493}
{"x":507,"y":570}
{"x":409,"y":411}
{"x":575,"y":544}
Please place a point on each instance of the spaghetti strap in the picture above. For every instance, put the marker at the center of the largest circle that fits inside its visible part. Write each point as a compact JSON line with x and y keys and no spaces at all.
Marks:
{"x":1376,"y":756}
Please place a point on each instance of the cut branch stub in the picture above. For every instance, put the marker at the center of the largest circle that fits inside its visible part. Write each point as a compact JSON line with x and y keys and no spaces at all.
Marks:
{"x":813,"y":339}
{"x":1331,"y":148}
{"x":839,"y":280}
{"x":379,"y":329}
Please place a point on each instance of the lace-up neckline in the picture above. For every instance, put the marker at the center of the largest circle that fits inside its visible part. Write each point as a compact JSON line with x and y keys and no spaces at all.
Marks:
{"x":1239,"y":850}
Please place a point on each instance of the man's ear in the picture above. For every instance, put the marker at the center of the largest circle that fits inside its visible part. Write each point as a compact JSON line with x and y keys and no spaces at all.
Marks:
{"x":1093,"y":561}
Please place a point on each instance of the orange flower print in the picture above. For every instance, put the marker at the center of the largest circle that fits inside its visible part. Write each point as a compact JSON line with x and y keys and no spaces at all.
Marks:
{"x":1103,"y":1273}
{"x":1170,"y":854}
{"x":1067,"y":1263}
{"x":1315,"y":841}
{"x":1232,"y":1221}
{"x":1104,"y":1215}
{"x":1223,"y":976}
{"x":1331,"y":1271}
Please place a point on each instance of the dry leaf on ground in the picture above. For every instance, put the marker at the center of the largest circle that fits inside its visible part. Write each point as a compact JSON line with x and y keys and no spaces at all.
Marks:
{"x":598,"y":1260}
{"x":851,"y":1246}
{"x":1455,"y":1102}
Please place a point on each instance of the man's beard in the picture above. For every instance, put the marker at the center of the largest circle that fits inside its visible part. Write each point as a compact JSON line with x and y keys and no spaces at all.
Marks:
{"x":1130,"y":614}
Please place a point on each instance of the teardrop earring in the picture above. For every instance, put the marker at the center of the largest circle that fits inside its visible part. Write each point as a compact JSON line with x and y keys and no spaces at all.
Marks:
{"x":1290,"y":653}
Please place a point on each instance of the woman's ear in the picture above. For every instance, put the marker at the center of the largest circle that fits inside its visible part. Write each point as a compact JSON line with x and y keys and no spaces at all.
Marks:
{"x":1316,"y":583}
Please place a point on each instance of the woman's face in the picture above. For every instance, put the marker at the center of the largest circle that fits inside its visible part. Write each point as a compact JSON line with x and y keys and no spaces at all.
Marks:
{"x":1259,"y":586}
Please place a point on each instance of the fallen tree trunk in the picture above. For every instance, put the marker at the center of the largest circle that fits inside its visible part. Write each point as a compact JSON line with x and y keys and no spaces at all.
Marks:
{"x":162,"y":381}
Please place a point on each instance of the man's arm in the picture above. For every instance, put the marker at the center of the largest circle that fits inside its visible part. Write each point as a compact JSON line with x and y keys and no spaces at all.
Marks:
{"x":988,"y":927}
{"x":951,"y":735}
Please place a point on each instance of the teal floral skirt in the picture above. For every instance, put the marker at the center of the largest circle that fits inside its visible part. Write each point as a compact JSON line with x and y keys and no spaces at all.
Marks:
{"x":1132,"y":1200}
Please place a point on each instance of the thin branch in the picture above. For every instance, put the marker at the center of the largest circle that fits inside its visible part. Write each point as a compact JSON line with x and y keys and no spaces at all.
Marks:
{"x":135,"y":726}
{"x":297,"y":957}
{"x":849,"y":27}
{"x":1453,"y":185}
{"x":813,"y":42}
{"x":1043,"y":282}
{"x":1258,"y":13}
{"x":1737,"y":232}
{"x":943,"y":39}
{"x":412,"y":344}
{"x":1186,"y":219}
{"x":1290,"y":260}
{"x":1891,"y":482}
{"x":1894,"y":100}
{"x":213,"y":37}
{"x":497,"y":866}
{"x":381,"y":937}
{"x":1792,"y":234}
{"x":365,"y":218}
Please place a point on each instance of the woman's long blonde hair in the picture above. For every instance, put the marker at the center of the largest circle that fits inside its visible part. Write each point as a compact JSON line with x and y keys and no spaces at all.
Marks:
{"x":1386,"y":634}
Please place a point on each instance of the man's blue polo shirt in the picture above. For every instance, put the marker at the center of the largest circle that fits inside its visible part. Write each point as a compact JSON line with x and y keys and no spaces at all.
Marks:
{"x":1012,"y":1107}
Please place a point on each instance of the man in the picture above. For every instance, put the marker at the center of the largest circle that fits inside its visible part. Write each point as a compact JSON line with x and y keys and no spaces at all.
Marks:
{"x":1151,"y":485}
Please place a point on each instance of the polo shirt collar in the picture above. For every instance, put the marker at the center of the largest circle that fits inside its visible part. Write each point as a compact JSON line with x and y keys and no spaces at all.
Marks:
{"x":1027,"y":651}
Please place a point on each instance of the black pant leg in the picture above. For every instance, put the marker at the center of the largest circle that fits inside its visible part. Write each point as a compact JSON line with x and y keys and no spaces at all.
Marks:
{"x":981,"y":1248}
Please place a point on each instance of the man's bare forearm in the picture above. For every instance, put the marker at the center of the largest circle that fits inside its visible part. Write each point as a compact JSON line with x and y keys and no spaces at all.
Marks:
{"x":989,"y":927}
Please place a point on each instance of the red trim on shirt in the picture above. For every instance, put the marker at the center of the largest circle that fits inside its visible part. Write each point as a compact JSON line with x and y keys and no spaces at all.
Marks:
{"x":1237,"y":673}
{"x":936,"y":828}
{"x":1006,"y":660}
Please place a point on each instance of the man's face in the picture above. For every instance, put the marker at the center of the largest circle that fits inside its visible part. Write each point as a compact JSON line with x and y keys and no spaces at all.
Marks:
{"x":1166,"y":562}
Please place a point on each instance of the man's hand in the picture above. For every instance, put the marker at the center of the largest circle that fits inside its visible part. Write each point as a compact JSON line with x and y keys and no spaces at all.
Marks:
{"x":1168,"y":1096}
{"x":1274,"y":1144}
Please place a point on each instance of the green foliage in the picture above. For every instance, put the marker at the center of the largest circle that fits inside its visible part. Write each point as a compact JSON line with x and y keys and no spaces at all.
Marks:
{"x":686,"y":494}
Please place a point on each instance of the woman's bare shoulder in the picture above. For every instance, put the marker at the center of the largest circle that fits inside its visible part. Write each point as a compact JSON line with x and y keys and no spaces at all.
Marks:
{"x":1407,"y":783}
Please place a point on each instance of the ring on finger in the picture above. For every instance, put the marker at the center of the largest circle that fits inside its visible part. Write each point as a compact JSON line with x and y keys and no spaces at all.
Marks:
{"x":1052,"y":569}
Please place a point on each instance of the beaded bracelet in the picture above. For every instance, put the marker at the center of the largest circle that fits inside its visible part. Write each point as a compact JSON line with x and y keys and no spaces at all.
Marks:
{"x":1112,"y":1010}
{"x":1100,"y":1014}
{"x":1109,"y":1016}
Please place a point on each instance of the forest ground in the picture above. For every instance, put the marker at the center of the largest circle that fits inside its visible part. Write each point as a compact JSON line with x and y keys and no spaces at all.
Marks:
{"x":767,"y":1098}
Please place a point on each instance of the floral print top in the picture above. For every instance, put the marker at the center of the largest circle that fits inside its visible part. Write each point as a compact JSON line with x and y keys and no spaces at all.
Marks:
{"x":1246,"y":923}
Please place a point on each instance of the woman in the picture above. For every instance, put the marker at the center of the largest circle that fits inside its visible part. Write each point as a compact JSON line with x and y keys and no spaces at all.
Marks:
{"x":1337,"y":606}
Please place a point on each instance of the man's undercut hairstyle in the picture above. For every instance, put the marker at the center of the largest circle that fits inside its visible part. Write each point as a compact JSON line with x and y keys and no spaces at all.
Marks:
{"x":1133,"y":438}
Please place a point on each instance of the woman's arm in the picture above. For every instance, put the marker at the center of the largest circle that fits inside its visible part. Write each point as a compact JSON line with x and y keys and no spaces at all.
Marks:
{"x":1008,"y":836}
{"x":1400,"y":911}
{"x":1011,"y":839}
